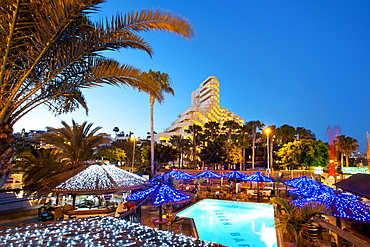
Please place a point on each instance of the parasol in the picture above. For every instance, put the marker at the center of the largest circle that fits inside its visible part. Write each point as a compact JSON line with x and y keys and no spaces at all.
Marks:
{"x":158,"y":195}
{"x":342,"y":205}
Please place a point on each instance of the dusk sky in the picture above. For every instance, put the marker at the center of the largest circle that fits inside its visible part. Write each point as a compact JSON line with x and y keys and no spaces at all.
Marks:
{"x":302,"y":63}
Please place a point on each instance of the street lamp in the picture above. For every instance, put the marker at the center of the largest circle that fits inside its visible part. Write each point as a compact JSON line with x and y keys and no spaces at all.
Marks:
{"x":133,"y":152}
{"x":268,"y":130}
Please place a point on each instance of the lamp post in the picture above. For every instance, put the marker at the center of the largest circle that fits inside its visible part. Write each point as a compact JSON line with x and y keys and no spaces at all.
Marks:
{"x":133,"y":153}
{"x":267,"y":130}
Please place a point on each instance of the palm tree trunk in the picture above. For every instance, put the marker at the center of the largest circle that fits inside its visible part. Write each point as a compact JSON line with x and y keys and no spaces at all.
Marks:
{"x":253,"y":149}
{"x":152,"y":165}
{"x":347,"y":161}
{"x":7,"y":152}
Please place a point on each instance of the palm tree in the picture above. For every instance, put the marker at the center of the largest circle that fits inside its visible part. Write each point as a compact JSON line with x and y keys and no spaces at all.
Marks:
{"x":116,"y":130}
{"x":212,"y":130}
{"x":77,"y":142}
{"x":254,"y":127}
{"x":164,"y":87}
{"x":243,"y":142}
{"x":40,"y":164}
{"x":295,"y":220}
{"x":50,"y":50}
{"x":346,"y":146}
{"x":181,"y":144}
{"x":195,"y":131}
{"x":230,"y":127}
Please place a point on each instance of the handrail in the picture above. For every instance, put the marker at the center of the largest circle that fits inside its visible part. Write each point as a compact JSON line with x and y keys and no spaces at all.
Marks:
{"x":193,"y":228}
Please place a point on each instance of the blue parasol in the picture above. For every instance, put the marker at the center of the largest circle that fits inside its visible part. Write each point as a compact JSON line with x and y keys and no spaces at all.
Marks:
{"x":342,"y":205}
{"x":235,"y":175}
{"x":179,"y":175}
{"x":159,"y":194}
{"x":300,"y":182}
{"x":207,"y":174}
{"x":313,"y":190}
{"x":258,"y":177}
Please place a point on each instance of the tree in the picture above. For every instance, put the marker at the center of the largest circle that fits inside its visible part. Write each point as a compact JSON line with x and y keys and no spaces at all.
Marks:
{"x":195,"y":131}
{"x":231,"y":127}
{"x":295,"y":221}
{"x":303,"y":133}
{"x":164,"y":87}
{"x":113,"y":154}
{"x":244,"y":141}
{"x":116,"y":130}
{"x":212,"y":131}
{"x":285,"y":134}
{"x":50,"y":50}
{"x":77,"y":143}
{"x":182,"y":145}
{"x":254,"y":127}
{"x":163,"y":154}
{"x":233,"y":154}
{"x":40,"y":164}
{"x":346,"y":146}
{"x":213,"y":153}
{"x":304,"y":152}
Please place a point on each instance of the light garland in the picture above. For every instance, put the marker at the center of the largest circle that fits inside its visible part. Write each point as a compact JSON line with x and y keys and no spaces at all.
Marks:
{"x":342,"y":205}
{"x":98,"y":231}
{"x":101,"y":177}
{"x":300,"y":182}
{"x":312,"y":190}
{"x":160,"y":194}
{"x":207,"y":174}
{"x":258,"y":177}
{"x":179,"y":175}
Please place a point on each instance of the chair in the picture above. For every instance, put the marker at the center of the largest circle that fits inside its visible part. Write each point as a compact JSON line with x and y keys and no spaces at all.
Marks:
{"x":177,"y":223}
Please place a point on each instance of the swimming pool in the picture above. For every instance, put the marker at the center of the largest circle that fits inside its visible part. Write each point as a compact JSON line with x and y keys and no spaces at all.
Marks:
{"x":232,"y":223}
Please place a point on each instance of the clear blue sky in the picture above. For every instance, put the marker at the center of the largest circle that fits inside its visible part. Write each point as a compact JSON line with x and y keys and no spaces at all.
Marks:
{"x":302,"y":63}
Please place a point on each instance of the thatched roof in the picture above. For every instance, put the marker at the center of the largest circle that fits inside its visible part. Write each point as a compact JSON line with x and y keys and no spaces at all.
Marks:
{"x":99,"y":178}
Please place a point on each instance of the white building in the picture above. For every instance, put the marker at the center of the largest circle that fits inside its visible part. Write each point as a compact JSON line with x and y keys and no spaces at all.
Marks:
{"x":205,"y":107}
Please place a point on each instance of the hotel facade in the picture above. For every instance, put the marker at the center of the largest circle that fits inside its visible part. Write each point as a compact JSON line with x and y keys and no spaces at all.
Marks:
{"x":205,"y":107}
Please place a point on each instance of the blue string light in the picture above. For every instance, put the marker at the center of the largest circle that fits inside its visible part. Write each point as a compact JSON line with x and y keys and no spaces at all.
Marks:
{"x":179,"y":175}
{"x":160,"y":194}
{"x":300,"y":182}
{"x":207,"y":174}
{"x":235,"y":175}
{"x":312,"y":190}
{"x":342,"y":205}
{"x":258,"y":177}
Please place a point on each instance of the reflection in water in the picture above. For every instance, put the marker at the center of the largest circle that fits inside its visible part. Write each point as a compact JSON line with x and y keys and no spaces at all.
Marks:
{"x":267,"y":234}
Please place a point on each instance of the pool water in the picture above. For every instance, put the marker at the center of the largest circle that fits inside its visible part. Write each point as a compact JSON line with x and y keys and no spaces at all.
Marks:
{"x":232,"y":223}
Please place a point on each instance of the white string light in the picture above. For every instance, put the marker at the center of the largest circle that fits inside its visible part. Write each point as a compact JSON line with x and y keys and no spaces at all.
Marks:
{"x":98,"y":231}
{"x":101,"y":177}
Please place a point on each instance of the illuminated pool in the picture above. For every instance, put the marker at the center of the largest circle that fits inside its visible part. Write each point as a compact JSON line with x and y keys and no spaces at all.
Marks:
{"x":233,"y":223}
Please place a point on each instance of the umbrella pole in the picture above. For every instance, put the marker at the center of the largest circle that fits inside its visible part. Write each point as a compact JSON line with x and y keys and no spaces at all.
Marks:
{"x":160,"y":217}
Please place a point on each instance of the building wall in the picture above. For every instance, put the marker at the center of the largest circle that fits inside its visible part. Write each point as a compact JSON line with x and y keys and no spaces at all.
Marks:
{"x":205,"y":107}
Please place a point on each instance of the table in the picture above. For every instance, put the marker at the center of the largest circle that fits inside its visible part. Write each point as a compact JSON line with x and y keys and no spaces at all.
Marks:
{"x":160,"y":223}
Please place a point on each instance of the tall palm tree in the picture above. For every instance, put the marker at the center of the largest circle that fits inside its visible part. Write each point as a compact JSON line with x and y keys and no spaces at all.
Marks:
{"x":244,"y":142}
{"x":77,"y":142}
{"x":196,"y":132}
{"x":231,"y":127}
{"x":181,"y":144}
{"x":163,"y":81}
{"x":212,"y":130}
{"x":346,"y":146}
{"x":50,"y":50}
{"x":254,"y":127}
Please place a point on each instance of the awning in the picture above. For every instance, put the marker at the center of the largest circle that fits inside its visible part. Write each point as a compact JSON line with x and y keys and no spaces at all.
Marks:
{"x":358,"y":184}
